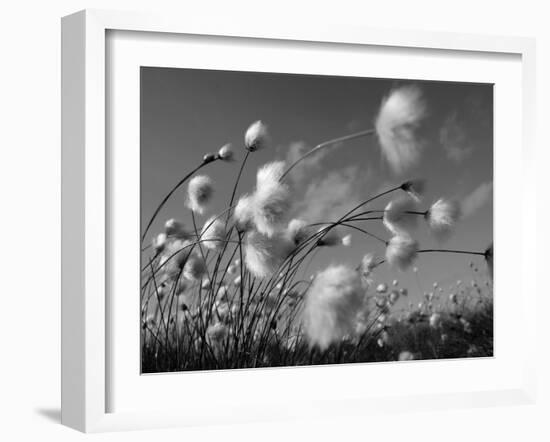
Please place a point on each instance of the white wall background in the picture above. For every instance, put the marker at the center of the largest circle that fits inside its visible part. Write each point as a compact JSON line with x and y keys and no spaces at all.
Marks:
{"x":30,"y":216}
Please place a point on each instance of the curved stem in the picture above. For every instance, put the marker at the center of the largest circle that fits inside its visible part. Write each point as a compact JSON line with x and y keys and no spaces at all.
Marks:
{"x":237,"y":184}
{"x":383,"y":241}
{"x":169,"y":194}
{"x":363,"y":133}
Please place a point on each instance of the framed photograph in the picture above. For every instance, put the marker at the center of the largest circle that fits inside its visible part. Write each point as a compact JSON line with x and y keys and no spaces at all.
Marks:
{"x":271,"y":222}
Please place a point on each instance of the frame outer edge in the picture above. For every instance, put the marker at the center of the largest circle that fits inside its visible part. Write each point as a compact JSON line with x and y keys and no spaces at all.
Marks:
{"x":83,"y":198}
{"x":73,"y":369}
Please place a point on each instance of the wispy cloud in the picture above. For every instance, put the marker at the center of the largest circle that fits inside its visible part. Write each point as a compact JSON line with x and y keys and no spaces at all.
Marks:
{"x":455,"y":140}
{"x":308,"y":166}
{"x":329,"y":197}
{"x":477,"y":199}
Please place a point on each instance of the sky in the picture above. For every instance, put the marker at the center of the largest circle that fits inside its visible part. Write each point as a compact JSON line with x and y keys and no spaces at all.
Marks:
{"x":186,"y":113}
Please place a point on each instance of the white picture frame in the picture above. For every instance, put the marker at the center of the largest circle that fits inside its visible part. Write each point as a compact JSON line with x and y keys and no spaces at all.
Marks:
{"x":85,"y":199}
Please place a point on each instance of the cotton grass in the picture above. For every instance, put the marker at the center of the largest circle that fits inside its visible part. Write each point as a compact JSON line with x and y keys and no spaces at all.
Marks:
{"x":297,"y":231}
{"x":442,"y":217}
{"x":194,"y":268}
{"x":401,"y":251}
{"x":159,"y":242}
{"x":213,"y":233}
{"x":175,"y":229}
{"x":368,"y":264}
{"x":263,"y":255}
{"x":199,"y":193}
{"x":399,"y":117}
{"x":256,"y":136}
{"x":241,"y":294}
{"x":243,"y":212}
{"x":226,"y":153}
{"x":397,"y":216}
{"x":331,"y":305}
{"x":271,"y":202}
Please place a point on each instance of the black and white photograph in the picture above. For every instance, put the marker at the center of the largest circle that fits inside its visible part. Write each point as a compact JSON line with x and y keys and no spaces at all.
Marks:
{"x":294,"y":220}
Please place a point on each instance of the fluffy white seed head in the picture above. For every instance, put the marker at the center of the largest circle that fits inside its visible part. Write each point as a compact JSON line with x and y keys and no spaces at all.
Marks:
{"x":435,"y":320}
{"x":237,"y":281}
{"x":150,"y":322}
{"x":263,"y":255}
{"x":442,"y":217}
{"x":381,"y":288}
{"x":401,"y":251}
{"x":213,"y":233}
{"x":199,"y":193}
{"x":159,"y":242}
{"x":271,"y":200}
{"x":406,"y":356}
{"x":332,"y":305}
{"x":175,"y":256}
{"x":226,"y":152}
{"x":216,"y":333}
{"x":346,"y":240}
{"x":332,"y":237}
{"x":297,"y":231}
{"x":256,"y":136}
{"x":222,"y":293}
{"x":243,"y":212}
{"x":397,"y":218}
{"x":368,"y":263}
{"x":394,"y":296}
{"x":175,"y":229}
{"x":397,"y":121}
{"x":194,"y":268}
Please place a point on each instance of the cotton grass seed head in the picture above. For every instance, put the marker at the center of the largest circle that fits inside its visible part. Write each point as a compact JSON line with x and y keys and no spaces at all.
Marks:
{"x":243,"y":212}
{"x":272,"y":200}
{"x":194,"y":268}
{"x":346,"y":240}
{"x":209,"y":157}
{"x":442,"y":217}
{"x":159,"y":242}
{"x":401,"y":251}
{"x":331,"y":305}
{"x":394,"y":296}
{"x":368,"y":263}
{"x":399,"y":117}
{"x":256,"y":136}
{"x":226,"y":152}
{"x":406,"y":356}
{"x":435,"y":320}
{"x":212,"y":234}
{"x":297,"y":231}
{"x":175,"y":229}
{"x":263,"y":254}
{"x":382,"y":288}
{"x":216,"y":333}
{"x":330,"y":237}
{"x":175,"y":256}
{"x":397,"y":218}
{"x":199,"y":193}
